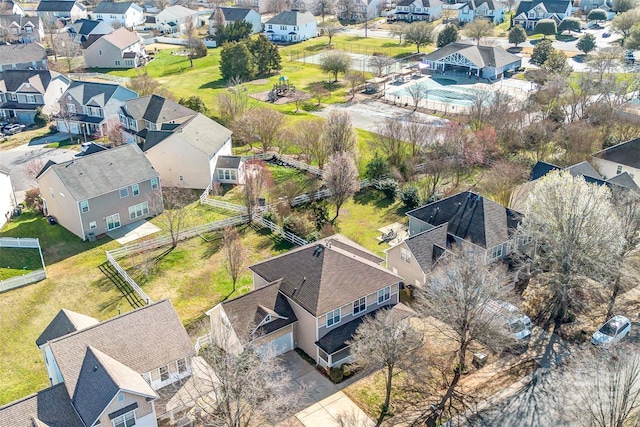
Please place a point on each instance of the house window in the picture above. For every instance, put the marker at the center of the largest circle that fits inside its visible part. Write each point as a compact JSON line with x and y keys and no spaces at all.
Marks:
{"x":93,"y":225}
{"x":117,"y":62}
{"x":138,"y":210}
{"x":270,"y":27}
{"x":135,"y":189}
{"x":181,"y":178}
{"x":100,"y":52}
{"x":619,"y":170}
{"x":384,"y":295}
{"x":405,"y":255}
{"x":164,"y":373}
{"x":31,"y":99}
{"x":147,"y":377}
{"x":124,"y":192}
{"x":126,"y":420}
{"x":182,"y":366}
{"x":84,"y":206}
{"x":359,"y":305}
{"x":154,"y":183}
{"x":233,"y":175}
{"x":333,"y":317}
{"x":28,"y":30}
{"x":283,"y":27}
{"x":497,"y":251}
{"x":120,"y":397}
{"x":113,"y":221}
{"x":71,"y":108}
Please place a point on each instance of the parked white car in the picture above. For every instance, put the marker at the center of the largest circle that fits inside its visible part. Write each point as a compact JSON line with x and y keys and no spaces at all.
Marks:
{"x":612,"y":331}
{"x":519,"y":323}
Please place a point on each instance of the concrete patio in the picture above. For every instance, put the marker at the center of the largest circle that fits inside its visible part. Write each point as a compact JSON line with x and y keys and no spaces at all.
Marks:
{"x":131,"y":232}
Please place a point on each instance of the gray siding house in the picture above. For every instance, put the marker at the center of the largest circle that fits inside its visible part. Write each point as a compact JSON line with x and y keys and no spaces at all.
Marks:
{"x":61,"y":10}
{"x":101,"y":192}
{"x":23,"y":56}
{"x":119,"y":49}
{"x":229,"y":15}
{"x":21,"y":29}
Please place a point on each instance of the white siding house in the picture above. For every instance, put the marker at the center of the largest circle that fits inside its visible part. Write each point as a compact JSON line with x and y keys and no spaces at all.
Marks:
{"x":127,"y":14}
{"x":291,"y":26}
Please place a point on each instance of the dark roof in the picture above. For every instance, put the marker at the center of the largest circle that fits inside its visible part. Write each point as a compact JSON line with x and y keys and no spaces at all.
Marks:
{"x":428,"y":246}
{"x":57,"y":6}
{"x":152,"y":138}
{"x":626,"y":153}
{"x":50,"y":406}
{"x":144,"y":339}
{"x":228,"y":162}
{"x":324,"y":275}
{"x":474,"y":4}
{"x":254,"y":306}
{"x":94,"y":148}
{"x":425,"y":3}
{"x":157,"y":109}
{"x":98,"y":94}
{"x":292,"y":17}
{"x":120,"y":7}
{"x":91,"y":176}
{"x":45,"y":167}
{"x":23,"y":52}
{"x":12,"y":80}
{"x":552,"y":6}
{"x":471,"y":217}
{"x":232,"y":14}
{"x":480,"y":56}
{"x":624,"y":180}
{"x":590,"y":175}
{"x":85,"y":27}
{"x":65,"y":322}
{"x":540,"y":169}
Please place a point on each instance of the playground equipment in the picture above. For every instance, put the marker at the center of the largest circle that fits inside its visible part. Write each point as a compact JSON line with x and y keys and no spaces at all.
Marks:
{"x":281,"y":89}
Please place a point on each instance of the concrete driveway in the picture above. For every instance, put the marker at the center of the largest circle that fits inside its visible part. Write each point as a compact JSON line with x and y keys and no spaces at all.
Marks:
{"x":321,"y":404}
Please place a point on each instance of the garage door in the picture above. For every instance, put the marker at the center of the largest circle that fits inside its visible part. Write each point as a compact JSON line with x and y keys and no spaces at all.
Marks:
{"x":279,"y":345}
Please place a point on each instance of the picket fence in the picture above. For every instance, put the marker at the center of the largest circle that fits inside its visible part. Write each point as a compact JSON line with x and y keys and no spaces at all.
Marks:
{"x":26,"y":279}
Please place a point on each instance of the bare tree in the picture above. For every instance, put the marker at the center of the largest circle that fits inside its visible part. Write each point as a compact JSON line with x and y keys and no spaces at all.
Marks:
{"x":51,"y":28}
{"x":417,"y":91}
{"x":354,"y":79}
{"x":480,"y":105}
{"x":339,"y":134}
{"x":194,"y":47}
{"x":604,"y":60}
{"x":323,"y":8}
{"x":277,"y":6}
{"x":458,"y":293}
{"x":68,"y":116}
{"x":235,"y":254}
{"x":307,"y":135}
{"x":346,"y":9}
{"x":144,"y":84}
{"x":176,"y":214}
{"x":67,"y":48}
{"x":418,"y":135}
{"x":380,"y":64}
{"x":478,"y":30}
{"x":386,"y":341}
{"x":399,"y":29}
{"x":501,"y":180}
{"x":389,"y":139}
{"x":32,"y":168}
{"x":256,"y":180}
{"x":564,"y":219}
{"x":232,"y":103}
{"x":115,"y":132}
{"x":319,"y":92}
{"x":261,"y":125}
{"x":341,"y":178}
{"x":161,"y":4}
{"x":330,"y":29}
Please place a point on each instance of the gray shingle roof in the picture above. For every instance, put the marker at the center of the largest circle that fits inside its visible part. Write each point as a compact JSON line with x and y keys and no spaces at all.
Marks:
{"x":58,"y":6}
{"x":120,"y":7}
{"x":585,"y":170}
{"x":552,"y":6}
{"x":425,"y":3}
{"x":91,"y":176}
{"x":624,"y":180}
{"x":100,"y":379}
{"x":145,"y":339}
{"x":233,"y":14}
{"x":50,"y":407}
{"x":228,"y":162}
{"x":427,"y":246}
{"x":323,"y":275}
{"x":23,"y":52}
{"x":626,"y":153}
{"x":98,"y":94}
{"x":471,"y":217}
{"x":65,"y":322}
{"x":157,"y":109}
{"x":480,"y":56}
{"x":292,"y":17}
{"x":38,"y":80}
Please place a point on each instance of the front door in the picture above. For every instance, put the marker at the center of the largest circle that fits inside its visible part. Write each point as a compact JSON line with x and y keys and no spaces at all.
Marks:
{"x":113,"y":222}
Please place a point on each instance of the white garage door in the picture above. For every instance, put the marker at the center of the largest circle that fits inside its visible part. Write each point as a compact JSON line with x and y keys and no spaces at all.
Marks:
{"x":279,"y":345}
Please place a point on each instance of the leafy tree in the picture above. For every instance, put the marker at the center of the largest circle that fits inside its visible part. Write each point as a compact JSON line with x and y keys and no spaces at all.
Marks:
{"x":194,"y":103}
{"x":236,"y":61}
{"x":341,"y":177}
{"x":478,"y":29}
{"x":633,"y":41}
{"x":238,"y":30}
{"x":623,"y":22}
{"x":410,"y":197}
{"x":587,"y":43}
{"x":377,"y":168}
{"x":517,"y":35}
{"x":419,"y":33}
{"x":335,"y":63}
{"x":597,"y":15}
{"x":266,"y":56}
{"x":569,"y":24}
{"x":449,"y":34}
{"x":40,"y":119}
{"x":541,"y":52}
{"x":556,"y":62}
{"x":546,"y":27}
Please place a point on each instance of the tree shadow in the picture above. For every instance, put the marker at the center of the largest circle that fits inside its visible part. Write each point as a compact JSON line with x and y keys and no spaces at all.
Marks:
{"x":214,"y":84}
{"x":372,"y":196}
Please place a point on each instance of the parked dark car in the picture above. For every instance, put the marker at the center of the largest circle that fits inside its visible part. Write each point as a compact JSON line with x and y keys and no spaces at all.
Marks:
{"x":606,"y":34}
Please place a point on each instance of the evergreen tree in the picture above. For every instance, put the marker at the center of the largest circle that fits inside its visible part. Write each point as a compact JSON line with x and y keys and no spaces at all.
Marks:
{"x":541,"y":52}
{"x":448,"y":35}
{"x":236,"y":61}
{"x":517,"y":35}
{"x":266,"y":55}
{"x":587,"y":43}
{"x":235,"y":32}
{"x":546,"y":27}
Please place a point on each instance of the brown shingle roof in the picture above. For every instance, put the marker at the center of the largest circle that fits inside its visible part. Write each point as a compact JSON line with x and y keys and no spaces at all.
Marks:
{"x":144,"y":339}
{"x":327,"y":274}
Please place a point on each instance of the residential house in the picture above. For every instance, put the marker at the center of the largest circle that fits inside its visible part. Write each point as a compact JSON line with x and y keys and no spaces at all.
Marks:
{"x":230,"y":170}
{"x":7,"y":196}
{"x":174,"y":19}
{"x":91,"y":109}
{"x":359,"y":10}
{"x":531,"y":11}
{"x":82,"y":29}
{"x":22,"y":92}
{"x":418,"y":10}
{"x":488,"y":62}
{"x":229,"y":15}
{"x":10,"y":7}
{"x":491,"y":10}
{"x":606,"y":5}
{"x":21,"y":29}
{"x":110,"y":373}
{"x":466,"y":219}
{"x":119,"y":49}
{"x":127,"y":14}
{"x":23,"y":56}
{"x":182,"y":145}
{"x":621,"y":181}
{"x":101,"y":192}
{"x":291,"y":26}
{"x":61,"y":10}
{"x":623,"y":157}
{"x":313,"y":298}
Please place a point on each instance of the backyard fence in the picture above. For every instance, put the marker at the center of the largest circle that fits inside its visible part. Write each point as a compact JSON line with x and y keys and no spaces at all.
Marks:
{"x":128,"y":279}
{"x":28,"y":278}
{"x":281,"y":231}
{"x":221,"y":204}
{"x":88,"y":76}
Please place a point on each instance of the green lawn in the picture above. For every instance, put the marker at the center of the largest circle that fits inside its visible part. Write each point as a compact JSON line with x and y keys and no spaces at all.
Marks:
{"x":18,"y":261}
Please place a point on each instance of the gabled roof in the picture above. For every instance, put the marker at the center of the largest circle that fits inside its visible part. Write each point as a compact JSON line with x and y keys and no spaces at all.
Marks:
{"x":428,"y":246}
{"x":121,"y":38}
{"x":469,"y":216}
{"x":91,"y":176}
{"x":144,"y":339}
{"x":65,"y":322}
{"x":585,"y":170}
{"x":175,"y":12}
{"x":474,"y":4}
{"x":626,"y":153}
{"x":100,"y":379}
{"x":292,"y":17}
{"x":50,"y":407}
{"x":85,"y":27}
{"x":233,"y":14}
{"x":19,"y":20}
{"x":624,"y":180}
{"x":98,"y":94}
{"x":4,"y":169}
{"x":114,"y":7}
{"x":552,"y":6}
{"x":480,"y":56}
{"x":424,"y":3}
{"x":326,"y":274}
{"x":228,"y":162}
{"x":248,"y":310}
{"x":23,"y":52}
{"x":156,"y":109}
{"x":58,"y":6}
{"x":28,"y":81}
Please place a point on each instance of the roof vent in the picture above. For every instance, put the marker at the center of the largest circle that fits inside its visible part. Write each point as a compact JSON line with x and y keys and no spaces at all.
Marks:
{"x":95,"y":368}
{"x":318,"y":250}
{"x":329,"y":244}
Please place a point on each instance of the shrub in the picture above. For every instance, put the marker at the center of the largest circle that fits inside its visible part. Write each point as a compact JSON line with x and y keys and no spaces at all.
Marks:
{"x":32,"y":199}
{"x":310,"y":106}
{"x":320,"y":213}
{"x":270,"y":216}
{"x":298,"y":225}
{"x":377,"y":168}
{"x":389,"y":187}
{"x":336,"y":374}
{"x":410,"y":197}
{"x":40,"y":119}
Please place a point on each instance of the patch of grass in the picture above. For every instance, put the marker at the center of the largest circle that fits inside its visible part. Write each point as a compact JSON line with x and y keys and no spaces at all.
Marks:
{"x":66,"y":143}
{"x":22,"y":138}
{"x":18,"y":261}
{"x":369,"y":393}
